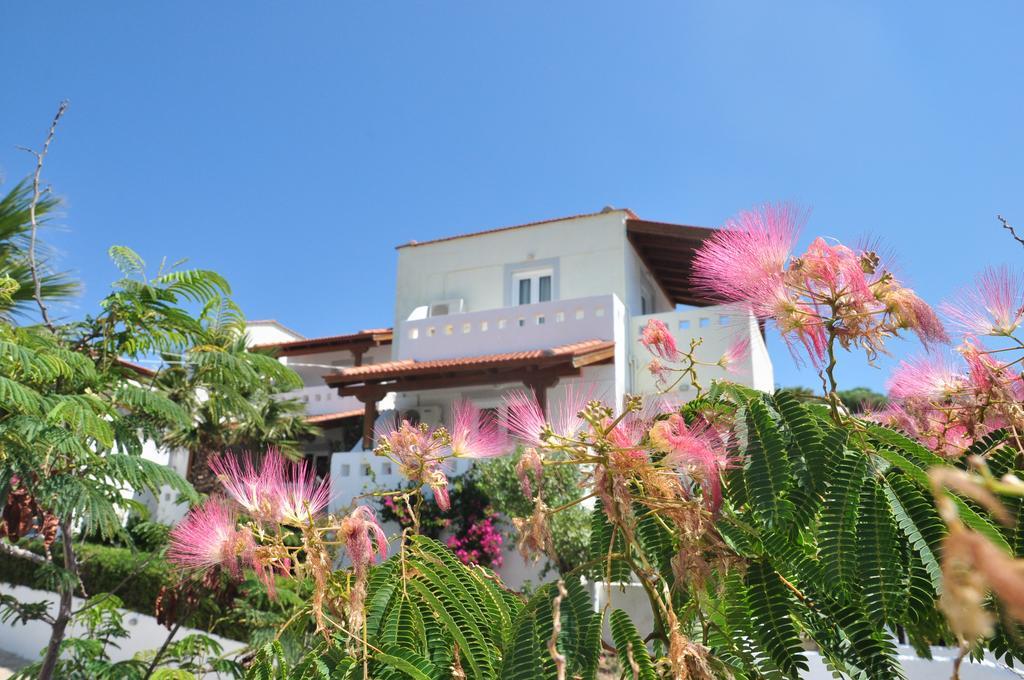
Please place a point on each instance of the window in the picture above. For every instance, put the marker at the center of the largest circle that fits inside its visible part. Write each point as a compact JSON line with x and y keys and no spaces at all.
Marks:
{"x":529,"y":287}
{"x":367,"y":470}
{"x":346,"y":469}
{"x":385,"y":468}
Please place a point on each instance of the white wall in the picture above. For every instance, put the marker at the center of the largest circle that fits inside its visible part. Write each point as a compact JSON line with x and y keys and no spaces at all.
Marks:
{"x":589,"y":252}
{"x":266,"y":332}
{"x":718,"y":327}
{"x":26,"y":641}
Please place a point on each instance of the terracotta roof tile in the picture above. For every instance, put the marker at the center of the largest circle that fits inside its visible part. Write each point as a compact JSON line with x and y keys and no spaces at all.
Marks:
{"x":409,"y":367}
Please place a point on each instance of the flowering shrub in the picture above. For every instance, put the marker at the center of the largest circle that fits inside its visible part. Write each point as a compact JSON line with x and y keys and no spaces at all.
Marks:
{"x":755,"y":524}
{"x":479,"y":544}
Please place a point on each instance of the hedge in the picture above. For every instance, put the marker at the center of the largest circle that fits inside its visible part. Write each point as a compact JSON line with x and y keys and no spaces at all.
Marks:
{"x":136,"y":575}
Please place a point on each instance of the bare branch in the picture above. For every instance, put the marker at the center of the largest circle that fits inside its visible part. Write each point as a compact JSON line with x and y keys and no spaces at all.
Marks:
{"x":1009,"y":227}
{"x":37,"y":193}
{"x":14,"y":551}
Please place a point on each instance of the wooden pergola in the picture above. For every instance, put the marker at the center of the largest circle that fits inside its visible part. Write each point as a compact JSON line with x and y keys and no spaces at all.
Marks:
{"x":668,"y":250}
{"x":356,"y":343}
{"x":537,"y":370}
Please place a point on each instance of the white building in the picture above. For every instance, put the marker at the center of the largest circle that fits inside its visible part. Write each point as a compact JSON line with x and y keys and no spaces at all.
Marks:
{"x":541,"y":305}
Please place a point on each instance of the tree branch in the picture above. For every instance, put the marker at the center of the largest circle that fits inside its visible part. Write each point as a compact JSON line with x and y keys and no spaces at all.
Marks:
{"x":37,"y":193}
{"x":14,"y":551}
{"x":1009,"y":227}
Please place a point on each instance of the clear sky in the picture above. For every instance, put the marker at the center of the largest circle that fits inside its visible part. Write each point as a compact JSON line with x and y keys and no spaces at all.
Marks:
{"x":291,"y":145}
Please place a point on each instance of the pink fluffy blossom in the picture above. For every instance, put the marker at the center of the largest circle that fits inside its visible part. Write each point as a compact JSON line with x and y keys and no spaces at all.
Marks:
{"x":475,"y":433}
{"x":278,"y":490}
{"x":208,"y":537}
{"x":698,"y":448}
{"x":751,"y":248}
{"x":930,"y":377}
{"x":364,"y":538}
{"x":737,"y":352}
{"x":658,"y":340}
{"x":249,"y":486}
{"x":298,"y":494}
{"x":525,"y":419}
{"x":993,"y":306}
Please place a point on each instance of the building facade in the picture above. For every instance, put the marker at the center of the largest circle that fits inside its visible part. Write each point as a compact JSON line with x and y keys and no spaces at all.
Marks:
{"x":548,"y":306}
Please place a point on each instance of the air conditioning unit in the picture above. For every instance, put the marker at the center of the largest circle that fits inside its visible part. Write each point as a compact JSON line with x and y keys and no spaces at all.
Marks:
{"x":446,"y":307}
{"x":431,"y":415}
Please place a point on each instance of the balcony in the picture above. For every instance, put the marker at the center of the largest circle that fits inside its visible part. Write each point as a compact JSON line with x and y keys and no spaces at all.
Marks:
{"x":510,"y":329}
{"x":322,"y":399}
{"x":719,"y":327}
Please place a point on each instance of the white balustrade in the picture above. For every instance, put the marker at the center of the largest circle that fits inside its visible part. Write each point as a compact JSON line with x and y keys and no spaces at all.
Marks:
{"x":510,"y":329}
{"x":321,"y":399}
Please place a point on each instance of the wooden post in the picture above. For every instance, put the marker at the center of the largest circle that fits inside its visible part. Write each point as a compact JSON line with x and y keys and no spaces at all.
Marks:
{"x":369,"y":395}
{"x":540,"y":384}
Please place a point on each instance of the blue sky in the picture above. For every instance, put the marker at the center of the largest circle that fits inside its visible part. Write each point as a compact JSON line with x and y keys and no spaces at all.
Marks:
{"x":292,"y":145}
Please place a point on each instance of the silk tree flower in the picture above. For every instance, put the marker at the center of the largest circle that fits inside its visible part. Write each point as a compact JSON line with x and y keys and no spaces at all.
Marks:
{"x":752,"y":248}
{"x":251,"y":487}
{"x":298,"y":494}
{"x":993,"y":306}
{"x":474,"y":433}
{"x":364,"y":538}
{"x":279,"y":491}
{"x":737,"y":352}
{"x":930,"y":378}
{"x":698,"y":449}
{"x":658,"y":340}
{"x":525,"y":419}
{"x":209,"y":537}
{"x":530,"y":463}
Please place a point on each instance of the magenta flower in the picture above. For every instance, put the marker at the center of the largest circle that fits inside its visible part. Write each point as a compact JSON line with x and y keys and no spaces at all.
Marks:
{"x":737,"y":352}
{"x":364,"y":538}
{"x":249,"y":487}
{"x":280,"y":491}
{"x":994,"y":306}
{"x":297,"y":493}
{"x":697,"y":448}
{"x":475,"y":433}
{"x":208,"y":537}
{"x":929,"y":378}
{"x":658,"y":340}
{"x":751,"y":248}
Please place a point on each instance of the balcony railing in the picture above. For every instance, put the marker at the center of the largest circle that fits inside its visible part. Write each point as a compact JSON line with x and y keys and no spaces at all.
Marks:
{"x":510,"y":329}
{"x":322,"y":399}
{"x":718,"y":327}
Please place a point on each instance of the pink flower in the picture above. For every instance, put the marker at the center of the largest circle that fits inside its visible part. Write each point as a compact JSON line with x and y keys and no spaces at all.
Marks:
{"x":525,"y":419}
{"x":475,"y":433}
{"x":994,"y":306}
{"x":752,"y":247}
{"x":910,"y":311}
{"x":250,"y":487}
{"x":737,"y":352}
{"x":697,"y":448}
{"x":926,"y":378}
{"x":834,"y":268}
{"x":658,"y":340}
{"x":280,"y":491}
{"x":364,"y":538}
{"x":298,"y":494}
{"x":207,"y":537}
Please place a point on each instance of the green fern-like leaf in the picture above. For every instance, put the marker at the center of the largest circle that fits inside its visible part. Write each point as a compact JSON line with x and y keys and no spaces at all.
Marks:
{"x":838,"y":536}
{"x":769,"y":602}
{"x":633,"y":654}
{"x":767,"y":474}
{"x":881,"y":569}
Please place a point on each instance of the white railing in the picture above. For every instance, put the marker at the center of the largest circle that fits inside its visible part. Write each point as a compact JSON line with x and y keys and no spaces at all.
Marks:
{"x":510,"y":329}
{"x":718,"y":327}
{"x":322,"y":399}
